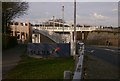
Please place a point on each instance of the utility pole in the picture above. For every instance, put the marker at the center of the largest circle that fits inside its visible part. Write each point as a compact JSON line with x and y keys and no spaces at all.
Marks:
{"x":63,"y":20}
{"x":75,"y":33}
{"x":53,"y":23}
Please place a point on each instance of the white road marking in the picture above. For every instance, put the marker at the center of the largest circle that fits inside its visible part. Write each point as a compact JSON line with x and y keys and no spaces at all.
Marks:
{"x":110,"y":50}
{"x":92,"y":51}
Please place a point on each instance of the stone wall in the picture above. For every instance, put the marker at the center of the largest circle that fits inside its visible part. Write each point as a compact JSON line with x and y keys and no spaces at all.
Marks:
{"x":103,"y":38}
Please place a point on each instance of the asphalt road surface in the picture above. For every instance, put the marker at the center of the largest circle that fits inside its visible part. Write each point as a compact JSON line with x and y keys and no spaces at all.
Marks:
{"x":108,"y":54}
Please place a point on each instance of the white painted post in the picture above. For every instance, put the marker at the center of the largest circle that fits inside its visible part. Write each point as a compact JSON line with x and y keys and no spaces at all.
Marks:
{"x":71,"y":42}
{"x":67,"y":75}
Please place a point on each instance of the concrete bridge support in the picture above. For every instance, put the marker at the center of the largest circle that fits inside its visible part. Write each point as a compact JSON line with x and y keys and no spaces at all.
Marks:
{"x":82,"y":35}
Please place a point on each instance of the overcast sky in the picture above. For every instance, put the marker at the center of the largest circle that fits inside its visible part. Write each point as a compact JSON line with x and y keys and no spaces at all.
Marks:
{"x":91,"y":13}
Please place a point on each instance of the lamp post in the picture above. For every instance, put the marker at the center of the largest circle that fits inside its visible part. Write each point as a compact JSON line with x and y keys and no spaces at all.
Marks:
{"x":63,"y":21}
{"x":53,"y":23}
{"x":75,"y":33}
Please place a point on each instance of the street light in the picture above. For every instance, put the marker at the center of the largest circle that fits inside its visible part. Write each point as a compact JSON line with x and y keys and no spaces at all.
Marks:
{"x":53,"y":23}
{"x":63,"y":20}
{"x":75,"y":33}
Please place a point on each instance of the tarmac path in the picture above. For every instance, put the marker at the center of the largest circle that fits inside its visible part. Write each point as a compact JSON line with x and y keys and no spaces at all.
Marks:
{"x":11,"y":57}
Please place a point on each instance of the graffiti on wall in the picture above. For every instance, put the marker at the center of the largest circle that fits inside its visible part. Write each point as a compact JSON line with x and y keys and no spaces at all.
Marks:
{"x":49,"y":50}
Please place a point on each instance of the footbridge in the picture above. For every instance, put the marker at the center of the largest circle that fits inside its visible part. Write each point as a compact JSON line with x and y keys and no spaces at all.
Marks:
{"x":65,"y":29}
{"x":59,"y":34}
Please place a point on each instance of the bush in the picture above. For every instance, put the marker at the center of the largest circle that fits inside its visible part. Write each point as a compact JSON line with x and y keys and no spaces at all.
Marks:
{"x":12,"y":41}
{"x":8,"y":41}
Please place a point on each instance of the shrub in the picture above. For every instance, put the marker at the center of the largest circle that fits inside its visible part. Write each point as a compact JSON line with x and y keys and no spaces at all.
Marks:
{"x":8,"y":41}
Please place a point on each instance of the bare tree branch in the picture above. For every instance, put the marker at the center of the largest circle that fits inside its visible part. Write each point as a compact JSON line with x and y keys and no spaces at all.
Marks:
{"x":12,"y":10}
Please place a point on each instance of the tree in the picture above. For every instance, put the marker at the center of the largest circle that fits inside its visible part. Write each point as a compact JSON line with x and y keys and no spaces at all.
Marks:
{"x":11,"y":10}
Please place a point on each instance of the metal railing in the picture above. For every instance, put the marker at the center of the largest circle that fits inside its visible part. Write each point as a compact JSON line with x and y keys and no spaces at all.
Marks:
{"x":79,"y":66}
{"x":71,"y":28}
{"x":50,"y":28}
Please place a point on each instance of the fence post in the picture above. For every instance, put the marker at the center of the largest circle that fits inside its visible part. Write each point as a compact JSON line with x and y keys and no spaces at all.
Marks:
{"x":67,"y":75}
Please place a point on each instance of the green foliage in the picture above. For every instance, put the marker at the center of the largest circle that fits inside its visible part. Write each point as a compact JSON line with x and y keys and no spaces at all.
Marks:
{"x":8,"y":41}
{"x":10,"y":11}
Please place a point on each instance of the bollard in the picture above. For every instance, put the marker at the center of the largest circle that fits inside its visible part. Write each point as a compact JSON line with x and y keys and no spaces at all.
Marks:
{"x":67,"y":74}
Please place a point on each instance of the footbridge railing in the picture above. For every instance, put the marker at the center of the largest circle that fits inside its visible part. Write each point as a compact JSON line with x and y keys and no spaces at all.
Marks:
{"x":67,"y":29}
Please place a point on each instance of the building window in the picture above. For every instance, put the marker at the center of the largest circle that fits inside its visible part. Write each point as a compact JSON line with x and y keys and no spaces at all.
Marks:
{"x":35,"y":35}
{"x":11,"y":23}
{"x":21,"y":24}
{"x":16,"y":23}
{"x":11,"y":33}
{"x":18,"y":36}
{"x":25,"y":24}
{"x":26,"y":35}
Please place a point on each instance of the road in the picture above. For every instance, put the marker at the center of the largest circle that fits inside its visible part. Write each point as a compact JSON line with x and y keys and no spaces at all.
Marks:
{"x":108,"y":54}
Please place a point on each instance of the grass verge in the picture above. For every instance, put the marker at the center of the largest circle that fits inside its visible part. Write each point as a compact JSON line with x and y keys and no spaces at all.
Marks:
{"x":34,"y":68}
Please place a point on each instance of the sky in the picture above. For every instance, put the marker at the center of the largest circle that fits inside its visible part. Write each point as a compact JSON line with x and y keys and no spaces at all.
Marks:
{"x":90,"y":13}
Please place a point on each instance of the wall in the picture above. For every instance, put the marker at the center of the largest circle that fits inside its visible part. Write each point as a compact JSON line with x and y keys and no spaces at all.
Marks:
{"x":21,"y":30}
{"x":48,"y":50}
{"x":103,"y":38}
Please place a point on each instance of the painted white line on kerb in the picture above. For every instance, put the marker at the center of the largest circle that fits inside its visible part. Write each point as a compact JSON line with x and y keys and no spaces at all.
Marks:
{"x":110,"y":50}
{"x":92,"y":51}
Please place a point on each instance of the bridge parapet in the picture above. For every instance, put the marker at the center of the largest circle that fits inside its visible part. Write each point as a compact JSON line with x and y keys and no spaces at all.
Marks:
{"x":66,"y":29}
{"x":107,"y":29}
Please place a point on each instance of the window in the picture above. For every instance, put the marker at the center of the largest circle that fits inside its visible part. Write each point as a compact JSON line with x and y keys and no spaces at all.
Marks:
{"x":21,"y":24}
{"x":18,"y":36}
{"x":11,"y":23}
{"x":25,"y":24}
{"x":16,"y":23}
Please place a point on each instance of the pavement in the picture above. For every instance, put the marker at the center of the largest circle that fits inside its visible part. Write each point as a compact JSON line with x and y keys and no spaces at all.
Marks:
{"x":11,"y":57}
